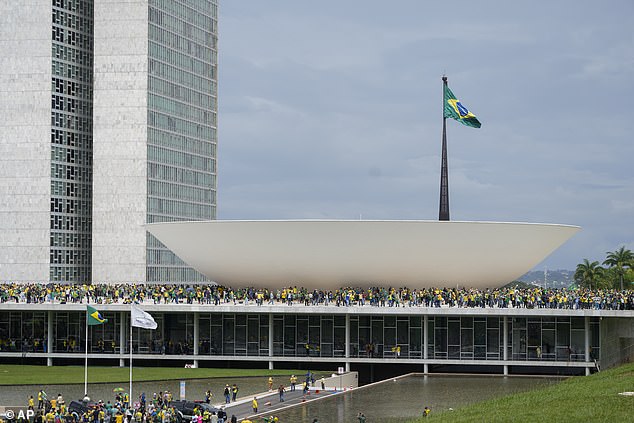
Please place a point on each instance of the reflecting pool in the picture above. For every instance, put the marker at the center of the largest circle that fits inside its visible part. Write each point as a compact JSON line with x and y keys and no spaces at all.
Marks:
{"x":404,"y":398}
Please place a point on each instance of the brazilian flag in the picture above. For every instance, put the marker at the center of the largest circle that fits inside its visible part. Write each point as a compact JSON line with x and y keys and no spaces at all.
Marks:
{"x":94,"y":317}
{"x":456,"y":110}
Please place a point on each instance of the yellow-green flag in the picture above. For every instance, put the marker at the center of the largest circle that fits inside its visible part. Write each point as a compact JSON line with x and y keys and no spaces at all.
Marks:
{"x":456,"y":110}
{"x":94,"y":317}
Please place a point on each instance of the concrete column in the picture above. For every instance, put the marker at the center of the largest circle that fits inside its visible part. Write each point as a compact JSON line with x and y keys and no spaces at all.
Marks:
{"x":425,"y":337}
{"x":49,"y":338}
{"x":425,"y":342}
{"x":196,"y":338}
{"x":505,"y":343}
{"x":122,"y":339}
{"x":347,"y":347}
{"x":587,"y":342}
{"x":270,"y":340}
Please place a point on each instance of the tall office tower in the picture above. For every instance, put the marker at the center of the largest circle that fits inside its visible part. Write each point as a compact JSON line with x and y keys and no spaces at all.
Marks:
{"x":109,"y":123}
{"x":45,"y":139}
{"x":154,"y":132}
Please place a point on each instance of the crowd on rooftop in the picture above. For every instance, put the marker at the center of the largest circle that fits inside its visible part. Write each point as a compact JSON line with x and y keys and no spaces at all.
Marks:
{"x":208,"y":294}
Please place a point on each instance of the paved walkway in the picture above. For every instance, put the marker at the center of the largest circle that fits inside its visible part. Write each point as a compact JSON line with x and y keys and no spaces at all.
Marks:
{"x":269,"y":403}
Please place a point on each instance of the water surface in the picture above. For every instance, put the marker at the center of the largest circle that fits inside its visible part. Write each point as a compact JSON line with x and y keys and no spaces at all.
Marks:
{"x":405,"y":398}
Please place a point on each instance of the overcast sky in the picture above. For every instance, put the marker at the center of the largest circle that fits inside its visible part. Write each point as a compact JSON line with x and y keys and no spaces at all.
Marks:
{"x":333,"y":109}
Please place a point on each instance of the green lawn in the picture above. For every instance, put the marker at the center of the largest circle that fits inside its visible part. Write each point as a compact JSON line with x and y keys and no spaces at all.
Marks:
{"x":580,"y":399}
{"x":43,"y":375}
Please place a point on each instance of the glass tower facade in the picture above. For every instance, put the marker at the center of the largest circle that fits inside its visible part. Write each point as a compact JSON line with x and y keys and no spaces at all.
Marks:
{"x":71,"y":140}
{"x":182,"y":114}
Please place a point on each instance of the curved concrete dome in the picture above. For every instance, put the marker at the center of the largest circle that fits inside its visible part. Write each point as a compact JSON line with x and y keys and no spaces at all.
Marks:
{"x":326,"y":254}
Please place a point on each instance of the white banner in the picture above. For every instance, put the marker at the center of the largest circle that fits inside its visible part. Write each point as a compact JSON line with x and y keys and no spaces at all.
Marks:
{"x":142,"y":319}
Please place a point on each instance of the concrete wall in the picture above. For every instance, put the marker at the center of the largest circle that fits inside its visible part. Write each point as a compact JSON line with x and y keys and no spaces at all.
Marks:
{"x":344,"y":381}
{"x":617,"y":341}
{"x":25,"y":139}
{"x":120,"y":140}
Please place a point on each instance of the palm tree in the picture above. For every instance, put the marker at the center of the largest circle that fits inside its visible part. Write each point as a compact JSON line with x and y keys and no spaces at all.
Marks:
{"x":619,"y":260}
{"x":587,"y":272}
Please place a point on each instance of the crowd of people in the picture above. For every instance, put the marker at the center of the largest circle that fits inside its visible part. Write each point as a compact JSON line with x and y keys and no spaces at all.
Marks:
{"x":208,"y":294}
{"x":55,"y":410}
{"x":160,"y":408}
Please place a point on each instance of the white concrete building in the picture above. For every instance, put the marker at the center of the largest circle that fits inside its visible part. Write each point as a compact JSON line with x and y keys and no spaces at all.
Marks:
{"x":25,"y":146}
{"x":328,"y":254}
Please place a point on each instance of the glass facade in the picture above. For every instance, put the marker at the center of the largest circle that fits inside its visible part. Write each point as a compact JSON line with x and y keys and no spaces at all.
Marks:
{"x":182,"y":122}
{"x":71,"y":140}
{"x":233,"y":334}
{"x":23,"y":331}
{"x":310,"y":335}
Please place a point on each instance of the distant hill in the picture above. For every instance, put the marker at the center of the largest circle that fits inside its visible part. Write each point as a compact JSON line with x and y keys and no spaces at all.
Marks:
{"x":550,"y":279}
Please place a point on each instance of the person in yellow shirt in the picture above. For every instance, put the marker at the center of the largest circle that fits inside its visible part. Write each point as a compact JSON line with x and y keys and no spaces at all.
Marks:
{"x":254,"y":405}
{"x":270,"y":383}
{"x":426,"y":411}
{"x":31,"y":403}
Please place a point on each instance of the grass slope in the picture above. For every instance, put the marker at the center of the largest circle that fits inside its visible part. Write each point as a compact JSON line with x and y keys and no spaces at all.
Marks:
{"x":581,"y":399}
{"x":37,"y":375}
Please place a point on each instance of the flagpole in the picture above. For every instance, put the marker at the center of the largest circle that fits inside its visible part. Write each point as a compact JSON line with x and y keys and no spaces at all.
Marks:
{"x":86,"y":360}
{"x":139,"y":319}
{"x":130,"y":392}
{"x":443,"y":213}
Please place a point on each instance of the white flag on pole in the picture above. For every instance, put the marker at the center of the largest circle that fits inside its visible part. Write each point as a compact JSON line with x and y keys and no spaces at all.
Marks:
{"x":142,"y":319}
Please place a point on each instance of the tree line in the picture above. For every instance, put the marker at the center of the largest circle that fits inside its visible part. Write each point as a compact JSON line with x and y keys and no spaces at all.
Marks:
{"x":616,"y":271}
